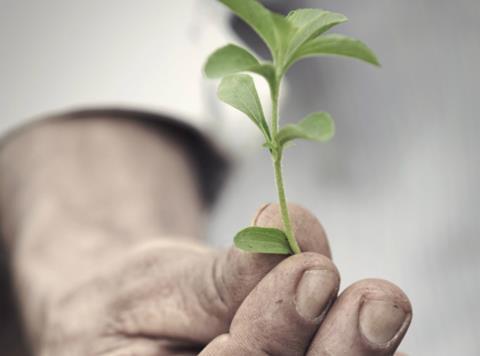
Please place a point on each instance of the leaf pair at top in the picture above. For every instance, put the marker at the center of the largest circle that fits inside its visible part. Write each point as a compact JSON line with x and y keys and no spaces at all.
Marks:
{"x":298,"y":35}
{"x":289,"y":39}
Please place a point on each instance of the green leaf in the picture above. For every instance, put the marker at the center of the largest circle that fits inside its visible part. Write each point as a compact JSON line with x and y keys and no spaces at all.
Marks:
{"x":316,"y":127}
{"x":263,"y":240}
{"x":310,"y":23}
{"x":232,"y":59}
{"x":336,"y":45}
{"x":283,"y":32}
{"x":274,"y":29}
{"x":229,"y":59}
{"x":238,"y":90}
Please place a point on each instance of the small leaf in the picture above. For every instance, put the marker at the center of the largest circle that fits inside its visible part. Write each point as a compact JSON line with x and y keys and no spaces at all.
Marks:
{"x":271,"y":27}
{"x":238,"y":90}
{"x":229,"y":59}
{"x":263,"y":240}
{"x":310,"y":23}
{"x":337,"y":45}
{"x":316,"y":127}
{"x":232,"y":59}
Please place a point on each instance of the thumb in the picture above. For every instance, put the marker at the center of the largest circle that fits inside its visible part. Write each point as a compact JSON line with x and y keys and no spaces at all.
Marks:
{"x":231,"y":275}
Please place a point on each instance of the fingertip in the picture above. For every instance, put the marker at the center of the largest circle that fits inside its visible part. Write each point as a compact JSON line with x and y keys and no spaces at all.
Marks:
{"x":306,"y":227}
{"x":286,"y":307}
{"x":318,"y":286}
{"x":373,"y":315}
{"x":385,"y":312}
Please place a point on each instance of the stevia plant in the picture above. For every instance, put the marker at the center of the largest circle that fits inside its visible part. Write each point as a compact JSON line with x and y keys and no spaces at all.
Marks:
{"x":291,"y":38}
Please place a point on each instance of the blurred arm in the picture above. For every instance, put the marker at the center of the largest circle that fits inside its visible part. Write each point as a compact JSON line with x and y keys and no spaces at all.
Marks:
{"x":75,"y":194}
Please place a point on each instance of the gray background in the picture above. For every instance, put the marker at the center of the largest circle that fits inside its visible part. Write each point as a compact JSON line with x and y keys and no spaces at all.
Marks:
{"x":397,"y":187}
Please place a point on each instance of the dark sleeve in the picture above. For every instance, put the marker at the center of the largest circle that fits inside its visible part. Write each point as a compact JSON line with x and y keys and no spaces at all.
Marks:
{"x":209,"y":162}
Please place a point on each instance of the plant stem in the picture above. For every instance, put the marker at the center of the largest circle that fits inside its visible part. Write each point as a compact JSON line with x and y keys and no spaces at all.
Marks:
{"x":275,"y":92}
{"x":277,"y":167}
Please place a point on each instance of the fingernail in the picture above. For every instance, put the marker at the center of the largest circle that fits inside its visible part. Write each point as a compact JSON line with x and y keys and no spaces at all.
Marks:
{"x":381,"y":320}
{"x":315,"y":291}
{"x":259,"y":213}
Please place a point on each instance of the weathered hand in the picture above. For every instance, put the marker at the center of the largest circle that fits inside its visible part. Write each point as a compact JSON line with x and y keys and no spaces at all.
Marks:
{"x":293,"y":310}
{"x":173,"y":298}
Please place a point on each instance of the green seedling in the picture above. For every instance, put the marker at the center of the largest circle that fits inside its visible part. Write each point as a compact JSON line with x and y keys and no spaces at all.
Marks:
{"x":291,"y":38}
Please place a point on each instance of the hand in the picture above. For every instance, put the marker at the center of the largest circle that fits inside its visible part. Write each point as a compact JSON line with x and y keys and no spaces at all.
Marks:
{"x":173,"y":298}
